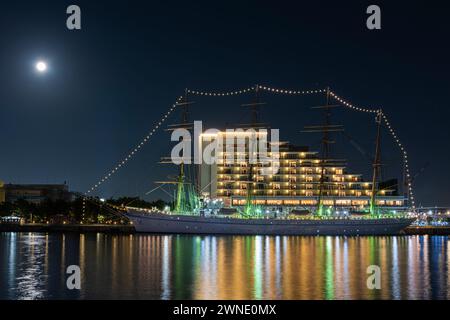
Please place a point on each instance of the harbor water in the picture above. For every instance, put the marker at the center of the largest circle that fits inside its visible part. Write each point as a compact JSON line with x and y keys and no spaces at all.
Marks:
{"x":138,"y":266}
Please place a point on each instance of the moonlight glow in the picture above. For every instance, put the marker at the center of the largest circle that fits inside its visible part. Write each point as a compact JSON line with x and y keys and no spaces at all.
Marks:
{"x":41,"y":66}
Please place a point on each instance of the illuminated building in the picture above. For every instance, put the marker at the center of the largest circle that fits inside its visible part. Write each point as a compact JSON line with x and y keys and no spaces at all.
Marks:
{"x":303,"y":179}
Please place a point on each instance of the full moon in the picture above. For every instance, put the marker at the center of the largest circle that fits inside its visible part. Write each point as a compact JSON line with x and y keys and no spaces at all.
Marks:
{"x":41,"y":66}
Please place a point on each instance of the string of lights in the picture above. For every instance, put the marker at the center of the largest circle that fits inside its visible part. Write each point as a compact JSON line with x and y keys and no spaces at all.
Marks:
{"x":220,"y":94}
{"x":291,"y":92}
{"x":405,"y":161}
{"x":396,"y":139}
{"x":130,"y":155}
{"x":246,"y":90}
{"x":350,"y":105}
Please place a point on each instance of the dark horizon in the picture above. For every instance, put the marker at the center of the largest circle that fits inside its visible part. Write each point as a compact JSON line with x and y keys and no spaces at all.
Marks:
{"x":111,"y":81}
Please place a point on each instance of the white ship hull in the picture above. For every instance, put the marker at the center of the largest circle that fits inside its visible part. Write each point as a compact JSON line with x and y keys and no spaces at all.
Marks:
{"x":185,"y":224}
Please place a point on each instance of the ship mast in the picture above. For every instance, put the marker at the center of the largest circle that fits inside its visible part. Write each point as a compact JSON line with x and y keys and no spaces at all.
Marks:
{"x":325,"y":150}
{"x":326,"y":141}
{"x":254,"y":124}
{"x":376,"y":166}
{"x":183,"y":203}
{"x":180,"y":203}
{"x":180,"y":199}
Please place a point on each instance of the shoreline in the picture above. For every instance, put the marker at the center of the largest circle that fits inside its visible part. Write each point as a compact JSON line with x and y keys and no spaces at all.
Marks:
{"x":428,"y":230}
{"x":80,"y":228}
{"x":129,"y":229}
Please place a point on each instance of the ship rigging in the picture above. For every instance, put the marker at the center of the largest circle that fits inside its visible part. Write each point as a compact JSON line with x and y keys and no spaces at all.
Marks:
{"x":188,"y":191}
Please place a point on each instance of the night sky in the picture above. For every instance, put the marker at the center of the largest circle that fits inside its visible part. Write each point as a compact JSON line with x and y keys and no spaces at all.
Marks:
{"x":108,"y":83}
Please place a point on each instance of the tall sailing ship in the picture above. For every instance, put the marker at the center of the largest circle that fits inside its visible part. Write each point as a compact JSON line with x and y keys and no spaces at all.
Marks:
{"x":310,"y":194}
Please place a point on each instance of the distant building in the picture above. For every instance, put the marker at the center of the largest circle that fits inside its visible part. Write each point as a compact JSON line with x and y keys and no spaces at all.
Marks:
{"x":2,"y":192}
{"x":11,"y":220}
{"x":35,"y":193}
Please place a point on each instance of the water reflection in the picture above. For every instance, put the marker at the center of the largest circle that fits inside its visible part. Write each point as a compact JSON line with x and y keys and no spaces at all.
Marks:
{"x":230,"y":267}
{"x":27,"y":269}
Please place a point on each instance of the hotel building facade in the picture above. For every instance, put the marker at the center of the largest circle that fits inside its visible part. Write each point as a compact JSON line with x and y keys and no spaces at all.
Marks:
{"x":303,"y":180}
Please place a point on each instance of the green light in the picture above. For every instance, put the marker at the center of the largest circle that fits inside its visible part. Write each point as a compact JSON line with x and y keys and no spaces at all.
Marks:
{"x":257,"y":267}
{"x":187,"y":200}
{"x":329,"y":275}
{"x":320,"y":209}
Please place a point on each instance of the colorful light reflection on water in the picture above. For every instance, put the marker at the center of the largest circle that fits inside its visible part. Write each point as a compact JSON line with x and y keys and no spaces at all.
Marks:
{"x":222,"y":267}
